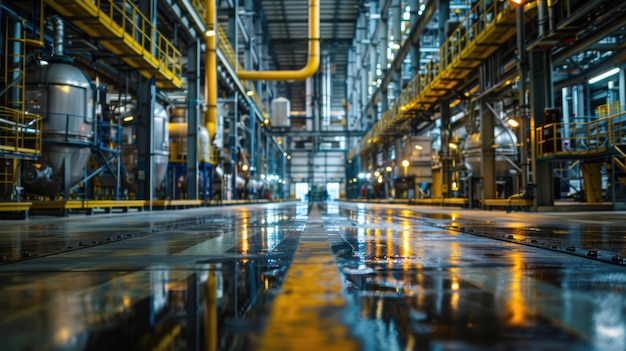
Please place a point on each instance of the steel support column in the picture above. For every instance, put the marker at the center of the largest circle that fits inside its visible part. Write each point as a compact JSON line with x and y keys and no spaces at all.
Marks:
{"x":193,"y":113}
{"x":541,"y":96}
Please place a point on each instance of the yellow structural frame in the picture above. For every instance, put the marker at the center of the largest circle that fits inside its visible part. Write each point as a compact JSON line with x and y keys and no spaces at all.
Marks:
{"x":126,"y":32}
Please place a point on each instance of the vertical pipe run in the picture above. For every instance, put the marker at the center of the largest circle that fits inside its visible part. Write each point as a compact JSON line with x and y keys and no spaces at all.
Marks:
{"x":523,"y":102}
{"x":211,"y":69}
{"x":58,"y":36}
{"x":622,"y":89}
{"x":210,"y":313}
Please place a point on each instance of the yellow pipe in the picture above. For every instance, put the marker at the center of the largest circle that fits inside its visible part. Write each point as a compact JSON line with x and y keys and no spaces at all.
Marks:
{"x":314,"y":54}
{"x":211,"y":69}
{"x":210,"y":313}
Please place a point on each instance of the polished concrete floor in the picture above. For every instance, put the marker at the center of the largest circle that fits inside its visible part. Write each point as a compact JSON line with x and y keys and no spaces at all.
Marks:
{"x":327,"y":276}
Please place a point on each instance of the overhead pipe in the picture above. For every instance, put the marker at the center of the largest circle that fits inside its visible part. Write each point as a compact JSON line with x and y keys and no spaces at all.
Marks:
{"x":314,"y":54}
{"x":211,"y":69}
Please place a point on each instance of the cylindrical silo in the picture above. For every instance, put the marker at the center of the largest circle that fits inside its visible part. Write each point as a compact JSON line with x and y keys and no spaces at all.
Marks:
{"x":62,"y":94}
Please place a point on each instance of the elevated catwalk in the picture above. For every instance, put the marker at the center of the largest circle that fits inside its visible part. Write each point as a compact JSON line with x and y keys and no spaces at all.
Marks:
{"x":324,"y":276}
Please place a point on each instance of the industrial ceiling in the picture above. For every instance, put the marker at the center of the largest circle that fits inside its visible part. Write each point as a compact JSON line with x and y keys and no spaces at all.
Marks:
{"x":288,"y":31}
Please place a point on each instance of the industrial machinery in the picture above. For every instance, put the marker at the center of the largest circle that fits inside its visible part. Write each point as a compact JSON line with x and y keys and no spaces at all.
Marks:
{"x":177,"y":168}
{"x":504,"y":143}
{"x":62,"y":94}
{"x":160,"y":140}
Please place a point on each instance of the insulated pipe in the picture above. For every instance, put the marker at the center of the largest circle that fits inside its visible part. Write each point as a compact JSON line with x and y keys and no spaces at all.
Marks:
{"x":314,"y":53}
{"x":58,"y":36}
{"x":211,"y":69}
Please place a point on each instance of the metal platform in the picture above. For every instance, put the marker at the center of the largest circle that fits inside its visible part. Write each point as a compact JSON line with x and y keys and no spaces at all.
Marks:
{"x":129,"y":34}
{"x":331,"y":276}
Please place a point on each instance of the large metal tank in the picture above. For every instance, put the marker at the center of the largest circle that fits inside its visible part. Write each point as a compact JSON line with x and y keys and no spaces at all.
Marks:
{"x":505,"y":146}
{"x":63,"y":95}
{"x":160,"y":142}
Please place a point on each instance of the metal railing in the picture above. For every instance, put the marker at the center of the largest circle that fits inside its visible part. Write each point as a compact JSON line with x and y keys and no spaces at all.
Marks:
{"x":466,"y":41}
{"x":20,"y":134}
{"x":227,"y":50}
{"x":579,"y":138}
{"x":121,"y":19}
{"x":178,"y":153}
{"x":144,"y":34}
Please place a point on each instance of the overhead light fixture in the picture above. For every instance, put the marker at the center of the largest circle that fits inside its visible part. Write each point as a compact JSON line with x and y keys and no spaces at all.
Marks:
{"x":603,"y":75}
{"x":453,"y":146}
{"x":405,"y":163}
{"x":210,"y":33}
{"x":513,"y":122}
{"x":128,"y":118}
{"x":418,"y":147}
{"x":249,"y":92}
{"x":517,"y":2}
{"x":244,"y":168}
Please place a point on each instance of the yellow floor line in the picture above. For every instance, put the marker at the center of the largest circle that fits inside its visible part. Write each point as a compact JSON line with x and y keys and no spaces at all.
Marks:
{"x":307,"y":314}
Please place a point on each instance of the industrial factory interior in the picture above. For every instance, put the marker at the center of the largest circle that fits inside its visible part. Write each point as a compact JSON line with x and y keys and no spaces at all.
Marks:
{"x":312,"y":175}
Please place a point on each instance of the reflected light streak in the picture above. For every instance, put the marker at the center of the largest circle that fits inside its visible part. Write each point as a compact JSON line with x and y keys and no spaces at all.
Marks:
{"x":406,"y":225}
{"x":455,"y":252}
{"x":360,"y":218}
{"x":517,"y":302}
{"x":455,"y":297}
{"x":272,"y":239}
{"x":420,"y":283}
{"x":245,"y":243}
{"x":62,"y":335}
{"x":389,"y":244}
{"x":377,"y":243}
{"x":126,"y":301}
{"x":406,"y":250}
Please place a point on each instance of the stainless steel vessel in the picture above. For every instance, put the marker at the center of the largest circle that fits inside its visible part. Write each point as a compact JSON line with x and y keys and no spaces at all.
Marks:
{"x":63,"y":95}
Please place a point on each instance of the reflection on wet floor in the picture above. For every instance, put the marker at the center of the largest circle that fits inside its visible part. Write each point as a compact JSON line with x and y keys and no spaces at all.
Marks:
{"x":426,"y":287}
{"x":415,"y":280}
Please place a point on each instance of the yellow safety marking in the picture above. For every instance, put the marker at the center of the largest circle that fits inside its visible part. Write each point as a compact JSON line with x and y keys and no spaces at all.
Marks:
{"x":307,"y":313}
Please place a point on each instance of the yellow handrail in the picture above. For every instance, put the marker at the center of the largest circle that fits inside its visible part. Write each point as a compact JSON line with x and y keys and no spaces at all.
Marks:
{"x":141,"y":29}
{"x":462,"y":43}
{"x":598,"y":135}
